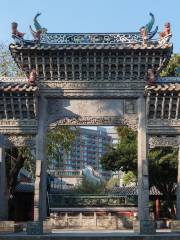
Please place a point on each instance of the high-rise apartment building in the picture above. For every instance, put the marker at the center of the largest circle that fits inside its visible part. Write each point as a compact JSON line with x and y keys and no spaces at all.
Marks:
{"x":88,"y":148}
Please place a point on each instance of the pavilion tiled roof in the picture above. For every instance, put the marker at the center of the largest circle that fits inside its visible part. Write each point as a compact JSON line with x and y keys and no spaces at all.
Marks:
{"x":133,"y":190}
{"x":134,"y":46}
{"x":168,"y":87}
{"x":17,"y":87}
{"x":125,"y":191}
{"x":25,"y":187}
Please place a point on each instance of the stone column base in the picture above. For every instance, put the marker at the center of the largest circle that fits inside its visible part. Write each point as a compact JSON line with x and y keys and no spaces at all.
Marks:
{"x":34,"y":228}
{"x":47,"y":226}
{"x":10,"y":227}
{"x":144,"y":227}
{"x":175,"y":226}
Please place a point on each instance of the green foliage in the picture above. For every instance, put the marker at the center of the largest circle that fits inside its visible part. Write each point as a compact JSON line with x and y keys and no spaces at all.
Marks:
{"x":87,"y":187}
{"x":30,"y":162}
{"x":162,"y":165}
{"x":113,"y":182}
{"x":124,"y":155}
{"x":15,"y":160}
{"x":60,"y":136}
{"x":163,"y":168}
{"x":8,"y":68}
{"x":129,"y":178}
{"x":170,"y":69}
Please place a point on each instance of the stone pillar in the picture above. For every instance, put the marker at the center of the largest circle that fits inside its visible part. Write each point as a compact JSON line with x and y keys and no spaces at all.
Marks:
{"x":157,"y":205}
{"x":40,"y":194}
{"x":3,"y":183}
{"x":66,"y":219}
{"x":175,"y":225}
{"x":80,"y":219}
{"x":95,"y":219}
{"x":178,"y":189}
{"x":144,"y":224}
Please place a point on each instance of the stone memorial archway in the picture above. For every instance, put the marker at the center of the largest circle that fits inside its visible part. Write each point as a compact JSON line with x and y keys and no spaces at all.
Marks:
{"x":90,"y":79}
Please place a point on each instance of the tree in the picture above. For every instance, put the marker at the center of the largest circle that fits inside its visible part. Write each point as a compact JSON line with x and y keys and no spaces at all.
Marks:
{"x":88,"y":187}
{"x":129,"y":178}
{"x":163,"y":175}
{"x":57,"y":138}
{"x":8,"y":68}
{"x":170,"y":69}
{"x":15,"y":160}
{"x":124,"y":155}
{"x":162,"y":164}
{"x":113,"y":182}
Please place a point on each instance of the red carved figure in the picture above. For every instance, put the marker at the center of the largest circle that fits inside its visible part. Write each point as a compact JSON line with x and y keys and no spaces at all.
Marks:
{"x":32,"y":77}
{"x":36,"y":35}
{"x":167,"y":30}
{"x":151,"y":77}
{"x":15,"y":32}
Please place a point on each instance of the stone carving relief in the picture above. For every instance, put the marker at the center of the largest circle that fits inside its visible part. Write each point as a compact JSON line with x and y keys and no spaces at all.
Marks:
{"x":163,"y":141}
{"x":20,"y":141}
{"x":130,"y":106}
{"x":164,"y":122}
{"x":93,"y":85}
{"x":92,"y":112}
{"x":125,"y":120}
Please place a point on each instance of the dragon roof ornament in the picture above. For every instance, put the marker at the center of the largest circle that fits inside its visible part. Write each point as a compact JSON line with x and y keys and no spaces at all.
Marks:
{"x":143,"y":37}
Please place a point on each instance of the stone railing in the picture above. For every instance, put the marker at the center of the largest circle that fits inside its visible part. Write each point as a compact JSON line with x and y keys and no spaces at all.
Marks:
{"x":89,"y":222}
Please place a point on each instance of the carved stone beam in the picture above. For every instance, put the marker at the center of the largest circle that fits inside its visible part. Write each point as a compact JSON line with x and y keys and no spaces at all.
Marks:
{"x":19,"y":141}
{"x":164,"y":141}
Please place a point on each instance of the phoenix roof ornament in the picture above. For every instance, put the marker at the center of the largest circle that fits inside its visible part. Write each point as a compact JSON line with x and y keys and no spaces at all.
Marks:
{"x":143,"y":37}
{"x":145,"y":31}
{"x":38,"y":29}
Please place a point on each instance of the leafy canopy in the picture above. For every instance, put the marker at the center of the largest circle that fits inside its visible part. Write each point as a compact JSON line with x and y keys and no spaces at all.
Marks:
{"x":8,"y":67}
{"x":56,"y":138}
{"x":162,"y":165}
{"x":170,"y":69}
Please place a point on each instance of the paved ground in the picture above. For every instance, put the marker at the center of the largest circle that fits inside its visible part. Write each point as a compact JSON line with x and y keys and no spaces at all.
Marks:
{"x":98,"y":235}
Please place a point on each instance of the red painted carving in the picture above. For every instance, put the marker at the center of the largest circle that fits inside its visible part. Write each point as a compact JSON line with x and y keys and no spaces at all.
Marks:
{"x":15,"y":32}
{"x":151,"y":77}
{"x":167,"y":30}
{"x":32,"y":77}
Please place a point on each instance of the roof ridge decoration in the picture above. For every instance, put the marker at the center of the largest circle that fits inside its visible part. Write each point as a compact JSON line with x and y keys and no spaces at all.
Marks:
{"x":39,"y":30}
{"x":143,"y":37}
{"x":13,"y":79}
{"x":145,"y":31}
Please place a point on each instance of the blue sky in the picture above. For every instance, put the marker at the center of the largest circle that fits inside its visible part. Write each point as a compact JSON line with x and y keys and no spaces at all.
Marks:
{"x":89,"y":16}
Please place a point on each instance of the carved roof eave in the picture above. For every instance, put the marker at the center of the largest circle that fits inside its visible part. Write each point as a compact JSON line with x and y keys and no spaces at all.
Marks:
{"x":17,"y":84}
{"x":131,"y":46}
{"x":163,"y":88}
{"x":18,"y":88}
